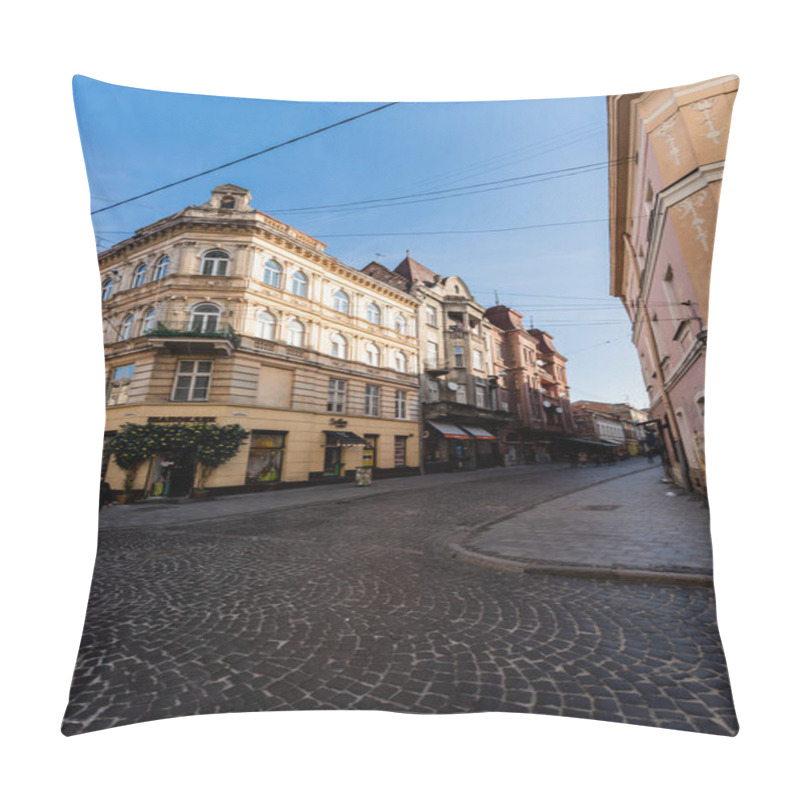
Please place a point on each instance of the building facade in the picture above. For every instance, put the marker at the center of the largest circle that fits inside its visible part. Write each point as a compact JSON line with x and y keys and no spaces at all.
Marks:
{"x":533,"y":378}
{"x":220,"y":313}
{"x":462,"y":413}
{"x":667,"y":154}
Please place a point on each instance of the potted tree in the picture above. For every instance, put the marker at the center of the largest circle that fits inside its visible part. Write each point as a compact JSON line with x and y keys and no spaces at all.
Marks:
{"x":130,"y":447}
{"x":215,"y":445}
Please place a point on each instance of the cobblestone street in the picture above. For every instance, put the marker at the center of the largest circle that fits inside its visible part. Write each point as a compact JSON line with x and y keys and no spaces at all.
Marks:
{"x":356,"y":602}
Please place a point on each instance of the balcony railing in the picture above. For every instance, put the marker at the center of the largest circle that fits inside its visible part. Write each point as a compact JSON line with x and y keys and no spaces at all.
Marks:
{"x":190,"y":340}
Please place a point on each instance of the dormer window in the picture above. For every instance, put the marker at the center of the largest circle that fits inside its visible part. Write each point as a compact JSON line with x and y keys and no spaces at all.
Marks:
{"x":215,"y":262}
{"x":227,"y":202}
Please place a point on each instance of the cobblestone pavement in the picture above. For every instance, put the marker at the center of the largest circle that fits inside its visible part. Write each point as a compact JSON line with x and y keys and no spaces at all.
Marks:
{"x":632,"y":523}
{"x":358,"y":604}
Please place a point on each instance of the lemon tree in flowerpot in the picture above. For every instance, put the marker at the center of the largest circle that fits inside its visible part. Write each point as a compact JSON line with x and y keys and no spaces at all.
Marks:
{"x":129,"y":448}
{"x":215,"y":445}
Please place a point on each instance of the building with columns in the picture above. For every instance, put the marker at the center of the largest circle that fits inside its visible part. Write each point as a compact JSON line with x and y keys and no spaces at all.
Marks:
{"x":222,"y":313}
{"x":667,"y":155}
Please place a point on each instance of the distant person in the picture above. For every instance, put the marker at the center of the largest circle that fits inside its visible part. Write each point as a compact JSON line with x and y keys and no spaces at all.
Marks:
{"x":106,"y":495}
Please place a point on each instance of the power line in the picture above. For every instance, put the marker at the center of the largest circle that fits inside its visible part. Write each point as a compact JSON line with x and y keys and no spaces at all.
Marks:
{"x":245,"y":158}
{"x":564,"y":172}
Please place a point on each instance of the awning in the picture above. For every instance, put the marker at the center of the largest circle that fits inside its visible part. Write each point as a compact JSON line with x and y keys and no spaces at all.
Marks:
{"x":594,"y":442}
{"x":449,"y":431}
{"x":345,"y":439}
{"x":478,"y":433}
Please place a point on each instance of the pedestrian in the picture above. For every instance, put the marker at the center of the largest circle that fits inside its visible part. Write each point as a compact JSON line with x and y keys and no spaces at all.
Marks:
{"x":106,"y":495}
{"x":582,"y":458}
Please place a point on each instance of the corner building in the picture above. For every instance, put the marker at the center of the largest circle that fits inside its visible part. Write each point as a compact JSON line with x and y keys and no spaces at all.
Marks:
{"x":220,"y":313}
{"x":667,"y":156}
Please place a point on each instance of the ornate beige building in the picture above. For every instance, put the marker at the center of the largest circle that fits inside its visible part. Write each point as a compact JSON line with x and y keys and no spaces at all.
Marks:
{"x":222,"y":313}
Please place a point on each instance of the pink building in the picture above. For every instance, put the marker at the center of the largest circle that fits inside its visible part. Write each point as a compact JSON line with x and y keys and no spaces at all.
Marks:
{"x":666,"y":155}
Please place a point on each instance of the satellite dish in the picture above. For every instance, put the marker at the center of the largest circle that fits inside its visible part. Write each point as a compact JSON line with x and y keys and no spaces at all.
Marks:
{"x":452,"y":386}
{"x":559,"y":410}
{"x":547,"y":404}
{"x":541,"y":363}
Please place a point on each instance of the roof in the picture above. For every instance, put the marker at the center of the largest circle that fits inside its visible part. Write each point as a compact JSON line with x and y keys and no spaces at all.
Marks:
{"x":415,"y":271}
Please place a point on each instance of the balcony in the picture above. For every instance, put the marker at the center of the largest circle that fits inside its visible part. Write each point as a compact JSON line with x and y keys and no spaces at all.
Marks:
{"x":436,"y":368}
{"x":192,"y":342}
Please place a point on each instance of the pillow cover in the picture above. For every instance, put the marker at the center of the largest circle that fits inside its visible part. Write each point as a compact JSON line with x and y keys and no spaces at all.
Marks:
{"x":471,"y":484}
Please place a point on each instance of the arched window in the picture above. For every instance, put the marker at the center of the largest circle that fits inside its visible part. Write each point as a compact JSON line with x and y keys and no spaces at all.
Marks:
{"x":300,"y":284}
{"x":205,"y":318}
{"x":139,"y":276}
{"x":338,"y":346}
{"x":127,"y":328}
{"x":215,"y":262}
{"x":108,"y":289}
{"x":373,"y":354}
{"x":265,"y":328}
{"x":272,"y":273}
{"x":400,"y":324}
{"x":296,"y":333}
{"x":373,"y":314}
{"x":161,"y":269}
{"x":400,"y":362}
{"x":148,"y":321}
{"x":341,"y":302}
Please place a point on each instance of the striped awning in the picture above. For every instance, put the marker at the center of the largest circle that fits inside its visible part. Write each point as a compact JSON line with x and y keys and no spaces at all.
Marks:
{"x":478,"y":433}
{"x":449,"y":431}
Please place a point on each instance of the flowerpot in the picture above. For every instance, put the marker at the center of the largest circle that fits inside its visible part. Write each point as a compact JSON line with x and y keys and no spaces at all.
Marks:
{"x":200,"y":494}
{"x":124,"y":498}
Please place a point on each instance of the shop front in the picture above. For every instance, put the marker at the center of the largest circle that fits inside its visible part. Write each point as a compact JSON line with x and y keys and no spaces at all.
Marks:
{"x":336,"y":444}
{"x":265,"y":459}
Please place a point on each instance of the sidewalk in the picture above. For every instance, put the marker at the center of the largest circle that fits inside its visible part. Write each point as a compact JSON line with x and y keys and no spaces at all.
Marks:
{"x":162,"y":511}
{"x":633,"y":527}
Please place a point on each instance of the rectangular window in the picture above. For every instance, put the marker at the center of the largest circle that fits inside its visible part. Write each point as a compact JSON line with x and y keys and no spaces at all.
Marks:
{"x":480,"y":397}
{"x":192,"y":381}
{"x":401,"y":404}
{"x":433,"y":354}
{"x":458,"y":356}
{"x":372,"y":401}
{"x":399,"y":451}
{"x":336,"y":395}
{"x":433,"y":391}
{"x":430,"y":315}
{"x":265,"y":458}
{"x":118,"y":385}
{"x":461,"y":393}
{"x":477,"y":359}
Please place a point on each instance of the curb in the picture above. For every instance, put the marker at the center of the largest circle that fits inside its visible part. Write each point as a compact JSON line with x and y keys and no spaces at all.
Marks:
{"x":566,"y":570}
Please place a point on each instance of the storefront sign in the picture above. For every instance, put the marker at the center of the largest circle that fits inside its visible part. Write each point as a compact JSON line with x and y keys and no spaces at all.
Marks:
{"x":181,"y":419}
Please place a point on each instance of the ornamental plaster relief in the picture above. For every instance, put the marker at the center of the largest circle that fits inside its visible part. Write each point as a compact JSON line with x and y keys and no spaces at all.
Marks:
{"x":666,"y":131}
{"x":689,"y":208}
{"x":704,"y":107}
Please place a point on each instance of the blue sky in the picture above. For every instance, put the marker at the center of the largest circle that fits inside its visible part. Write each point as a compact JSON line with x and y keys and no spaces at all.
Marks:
{"x":553,"y":268}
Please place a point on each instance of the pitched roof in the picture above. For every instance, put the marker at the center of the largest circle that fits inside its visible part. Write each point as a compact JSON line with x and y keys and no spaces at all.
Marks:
{"x":415,"y":271}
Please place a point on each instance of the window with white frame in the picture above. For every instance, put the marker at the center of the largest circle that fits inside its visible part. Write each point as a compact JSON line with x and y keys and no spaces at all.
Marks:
{"x":400,"y":324}
{"x":299,"y":284}
{"x":341,"y":302}
{"x":430,"y":315}
{"x":338,"y":346}
{"x":401,"y":404}
{"x":296,"y":333}
{"x":215,"y":262}
{"x":118,"y":385}
{"x":148,"y":321}
{"x":139,"y":276}
{"x":161,"y":269}
{"x":432,"y":354}
{"x":461,"y":393}
{"x":400,"y":361}
{"x":192,"y":381}
{"x":372,"y":401}
{"x":108,"y":289}
{"x":373,"y":314}
{"x":127,"y":328}
{"x":204,"y":318}
{"x":480,"y":396}
{"x":373,"y":354}
{"x":265,"y":325}
{"x":337,"y":394}
{"x":272,"y":273}
{"x":477,"y":359}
